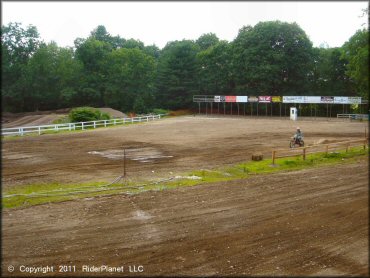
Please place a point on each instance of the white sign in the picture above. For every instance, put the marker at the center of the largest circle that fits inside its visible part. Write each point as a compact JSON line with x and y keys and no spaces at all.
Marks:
{"x":354,"y":100}
{"x":241,"y":99}
{"x":293,"y":99}
{"x":217,"y":99}
{"x":310,"y":99}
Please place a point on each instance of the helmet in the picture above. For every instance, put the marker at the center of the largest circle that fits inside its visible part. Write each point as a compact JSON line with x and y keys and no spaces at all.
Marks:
{"x":298,"y":128}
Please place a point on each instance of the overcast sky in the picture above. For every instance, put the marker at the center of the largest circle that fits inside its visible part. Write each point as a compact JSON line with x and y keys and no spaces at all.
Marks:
{"x":161,"y":22}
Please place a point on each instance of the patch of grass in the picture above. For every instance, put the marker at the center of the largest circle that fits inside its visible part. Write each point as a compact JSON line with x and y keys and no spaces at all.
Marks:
{"x":28,"y":195}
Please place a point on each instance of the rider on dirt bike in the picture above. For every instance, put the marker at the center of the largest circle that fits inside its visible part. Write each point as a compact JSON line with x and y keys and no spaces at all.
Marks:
{"x":298,"y":136}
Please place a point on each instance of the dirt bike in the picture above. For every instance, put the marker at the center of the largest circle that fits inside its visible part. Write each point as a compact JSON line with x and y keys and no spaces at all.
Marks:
{"x":296,"y":142}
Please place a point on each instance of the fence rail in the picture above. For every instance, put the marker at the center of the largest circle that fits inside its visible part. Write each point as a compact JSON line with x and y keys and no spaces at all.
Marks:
{"x":75,"y":126}
{"x":354,"y":116}
{"x":317,"y":148}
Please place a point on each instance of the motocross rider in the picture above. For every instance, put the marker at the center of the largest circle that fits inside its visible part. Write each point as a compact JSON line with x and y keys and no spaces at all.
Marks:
{"x":298,"y":136}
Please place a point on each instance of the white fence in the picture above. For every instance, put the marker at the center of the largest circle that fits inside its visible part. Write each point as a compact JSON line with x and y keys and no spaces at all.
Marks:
{"x":354,"y":116}
{"x":75,"y":126}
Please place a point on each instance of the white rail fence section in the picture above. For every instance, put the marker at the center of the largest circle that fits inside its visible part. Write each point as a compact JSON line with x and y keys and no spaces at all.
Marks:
{"x":76,"y":126}
{"x":354,"y":116}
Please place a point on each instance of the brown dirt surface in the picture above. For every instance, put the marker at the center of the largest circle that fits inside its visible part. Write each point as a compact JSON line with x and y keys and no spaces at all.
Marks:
{"x":158,"y":149}
{"x":10,"y":120}
{"x":308,"y":222}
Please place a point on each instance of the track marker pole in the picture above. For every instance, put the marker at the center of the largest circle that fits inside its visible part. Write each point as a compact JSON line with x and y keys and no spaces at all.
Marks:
{"x":124,"y":162}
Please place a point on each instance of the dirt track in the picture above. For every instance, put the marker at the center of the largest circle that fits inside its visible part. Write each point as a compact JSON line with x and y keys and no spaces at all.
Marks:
{"x":310,"y":222}
{"x":157,"y":149}
{"x":10,"y":120}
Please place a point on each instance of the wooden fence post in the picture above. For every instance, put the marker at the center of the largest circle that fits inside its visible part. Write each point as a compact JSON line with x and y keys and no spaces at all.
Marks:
{"x":347,"y":147}
{"x":82,"y":125}
{"x":327,"y":149}
{"x":304,"y":153}
{"x":273,"y":157}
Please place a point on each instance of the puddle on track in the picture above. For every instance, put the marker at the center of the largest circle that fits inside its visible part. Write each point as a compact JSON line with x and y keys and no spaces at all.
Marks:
{"x":144,"y":155}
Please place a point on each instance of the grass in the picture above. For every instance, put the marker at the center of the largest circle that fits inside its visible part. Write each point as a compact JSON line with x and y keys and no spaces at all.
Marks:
{"x":34,"y":194}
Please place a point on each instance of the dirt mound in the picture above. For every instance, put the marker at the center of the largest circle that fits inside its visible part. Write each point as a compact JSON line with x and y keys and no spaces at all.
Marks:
{"x":112,"y":112}
{"x":36,"y":118}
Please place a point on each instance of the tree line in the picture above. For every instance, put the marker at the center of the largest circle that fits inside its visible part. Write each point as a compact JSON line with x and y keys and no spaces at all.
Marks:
{"x":271,"y":58}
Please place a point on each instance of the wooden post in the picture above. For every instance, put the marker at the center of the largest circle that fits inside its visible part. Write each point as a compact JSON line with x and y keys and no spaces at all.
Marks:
{"x":304,"y":153}
{"x":347,"y":147}
{"x":327,"y":149}
{"x":124,"y":162}
{"x":273,"y":157}
{"x":94,"y":124}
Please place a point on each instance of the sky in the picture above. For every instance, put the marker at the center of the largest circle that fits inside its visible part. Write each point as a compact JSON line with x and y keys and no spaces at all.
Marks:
{"x":332,"y":23}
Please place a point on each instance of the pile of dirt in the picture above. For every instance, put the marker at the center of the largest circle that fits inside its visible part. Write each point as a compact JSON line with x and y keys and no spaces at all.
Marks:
{"x":36,"y":118}
{"x":112,"y":112}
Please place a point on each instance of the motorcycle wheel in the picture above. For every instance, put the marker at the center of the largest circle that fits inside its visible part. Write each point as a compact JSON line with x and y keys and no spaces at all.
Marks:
{"x":291,"y":144}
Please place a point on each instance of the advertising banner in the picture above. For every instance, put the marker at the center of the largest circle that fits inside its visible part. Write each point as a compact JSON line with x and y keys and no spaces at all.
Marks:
{"x":222,"y":99}
{"x":264,"y":99}
{"x":327,"y":99}
{"x":276,"y":99}
{"x":252,"y":99}
{"x":217,"y":99}
{"x":293,"y":99}
{"x":354,"y":100}
{"x":241,"y":99}
{"x":341,"y":100}
{"x":230,"y":98}
{"x":312,"y":99}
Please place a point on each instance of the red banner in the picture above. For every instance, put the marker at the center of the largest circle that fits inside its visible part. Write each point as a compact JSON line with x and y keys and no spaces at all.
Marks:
{"x":230,"y":98}
{"x":265,"y":99}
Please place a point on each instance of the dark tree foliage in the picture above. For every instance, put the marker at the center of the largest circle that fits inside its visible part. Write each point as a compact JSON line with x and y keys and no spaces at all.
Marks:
{"x":271,"y":58}
{"x":177,"y":75}
{"x":18,"y":44}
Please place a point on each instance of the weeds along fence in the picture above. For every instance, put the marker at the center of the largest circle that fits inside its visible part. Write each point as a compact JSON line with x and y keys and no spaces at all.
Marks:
{"x":76,"y":126}
{"x":320,"y":148}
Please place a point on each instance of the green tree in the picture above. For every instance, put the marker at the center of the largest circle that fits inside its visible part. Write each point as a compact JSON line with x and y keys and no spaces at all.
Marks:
{"x":177,"y":75}
{"x":93,"y":55}
{"x":272,"y":58}
{"x":130,"y":75}
{"x":356,"y":51}
{"x":207,"y":40}
{"x":214,"y":69}
{"x":18,"y":44}
{"x":329,"y":76}
{"x":49,"y":71}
